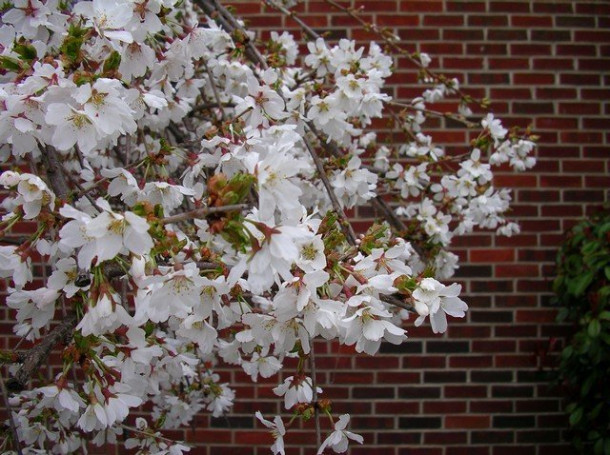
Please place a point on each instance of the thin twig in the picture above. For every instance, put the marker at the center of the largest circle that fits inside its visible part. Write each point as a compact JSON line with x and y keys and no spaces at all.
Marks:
{"x":316,"y":407}
{"x":105,"y":179}
{"x":306,"y":28}
{"x":198,"y":213}
{"x":391,"y":41}
{"x":208,"y":106}
{"x":226,"y":20}
{"x":244,"y":35}
{"x":82,"y":190}
{"x":215,"y":91}
{"x":392,"y":300}
{"x":447,"y":115}
{"x":346,"y":226}
{"x":11,"y":420}
{"x":150,"y":435}
{"x":10,"y":241}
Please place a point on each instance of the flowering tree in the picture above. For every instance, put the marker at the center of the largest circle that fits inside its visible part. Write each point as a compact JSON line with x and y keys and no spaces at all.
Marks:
{"x":189,"y":189}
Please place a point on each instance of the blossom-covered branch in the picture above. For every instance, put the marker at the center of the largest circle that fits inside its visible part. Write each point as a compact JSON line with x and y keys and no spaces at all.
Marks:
{"x":189,"y":187}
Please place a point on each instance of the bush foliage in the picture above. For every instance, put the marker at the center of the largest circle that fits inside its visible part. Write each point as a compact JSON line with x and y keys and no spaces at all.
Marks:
{"x":582,"y":287}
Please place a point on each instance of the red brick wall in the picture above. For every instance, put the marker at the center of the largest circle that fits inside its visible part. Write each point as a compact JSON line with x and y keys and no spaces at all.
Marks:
{"x":482,"y":388}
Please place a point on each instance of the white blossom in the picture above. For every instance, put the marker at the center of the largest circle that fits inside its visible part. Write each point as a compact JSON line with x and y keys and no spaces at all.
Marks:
{"x":434,"y":299}
{"x":339,"y":438}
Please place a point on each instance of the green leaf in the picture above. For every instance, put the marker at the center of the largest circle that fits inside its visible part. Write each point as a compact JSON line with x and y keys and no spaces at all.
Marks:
{"x":575,"y":417}
{"x":563,"y":314}
{"x":605,"y":337}
{"x":594,"y":328}
{"x":71,"y":48}
{"x":598,"y":448}
{"x":590,"y":248}
{"x":604,"y":227}
{"x":596,"y":410}
{"x":9,"y":63}
{"x":582,"y":283}
{"x":112,"y":63}
{"x":26,"y":51}
{"x":586,"y":386}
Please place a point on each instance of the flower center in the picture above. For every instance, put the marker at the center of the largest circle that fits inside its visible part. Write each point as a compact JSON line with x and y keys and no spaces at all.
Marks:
{"x":117,"y":226}
{"x":309,"y":252}
{"x":79,"y":120}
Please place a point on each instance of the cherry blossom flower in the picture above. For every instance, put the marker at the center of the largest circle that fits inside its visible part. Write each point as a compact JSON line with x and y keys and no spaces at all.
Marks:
{"x":495,"y":128}
{"x":311,"y":254}
{"x":73,"y":126}
{"x":434,"y":299}
{"x":64,"y":277}
{"x":109,"y":17}
{"x":114,"y":232}
{"x":277,"y":430}
{"x":295,"y":390}
{"x":104,"y":315}
{"x":339,"y":439}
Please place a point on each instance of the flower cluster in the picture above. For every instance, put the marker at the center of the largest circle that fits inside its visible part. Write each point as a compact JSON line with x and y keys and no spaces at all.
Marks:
{"x":189,"y":187}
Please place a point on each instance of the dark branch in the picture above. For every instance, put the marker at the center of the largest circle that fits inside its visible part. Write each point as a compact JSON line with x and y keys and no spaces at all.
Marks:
{"x":53,"y":168}
{"x":39,"y":353}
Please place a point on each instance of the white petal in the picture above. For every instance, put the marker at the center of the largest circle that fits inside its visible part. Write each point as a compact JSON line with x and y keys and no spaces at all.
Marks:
{"x":119,"y":36}
{"x":137,"y":243}
{"x":438,"y":321}
{"x":454,"y":307}
{"x":373,"y":330}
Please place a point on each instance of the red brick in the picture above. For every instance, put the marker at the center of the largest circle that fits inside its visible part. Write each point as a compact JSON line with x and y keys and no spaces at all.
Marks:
{"x":468,"y":421}
{"x":494,"y":346}
{"x":478,"y":361}
{"x":398,"y":20}
{"x":530,"y":21}
{"x":511,"y":450}
{"x":444,"y":407}
{"x":420,"y":6}
{"x":490,"y":406}
{"x":534,"y":78}
{"x":246,"y":8}
{"x":377,"y":5}
{"x":443,"y":21}
{"x":445,"y":437}
{"x":543,"y":50}
{"x":492,"y":255}
{"x":465,"y":391}
{"x":382,"y":362}
{"x":582,"y":36}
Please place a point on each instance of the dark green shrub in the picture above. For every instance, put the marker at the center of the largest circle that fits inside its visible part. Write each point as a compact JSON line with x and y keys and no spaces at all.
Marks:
{"x":582,"y":288}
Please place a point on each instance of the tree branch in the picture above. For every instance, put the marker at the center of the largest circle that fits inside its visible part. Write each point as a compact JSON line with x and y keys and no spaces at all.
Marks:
{"x":392,"y":300}
{"x":198,"y":213}
{"x":226,"y":20}
{"x":11,"y":241}
{"x":35,"y":356}
{"x":11,"y":420}
{"x":390,"y":39}
{"x":306,"y":28}
{"x":395,"y":221}
{"x":54,"y":172}
{"x":215,"y":91}
{"x":346,"y":226}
